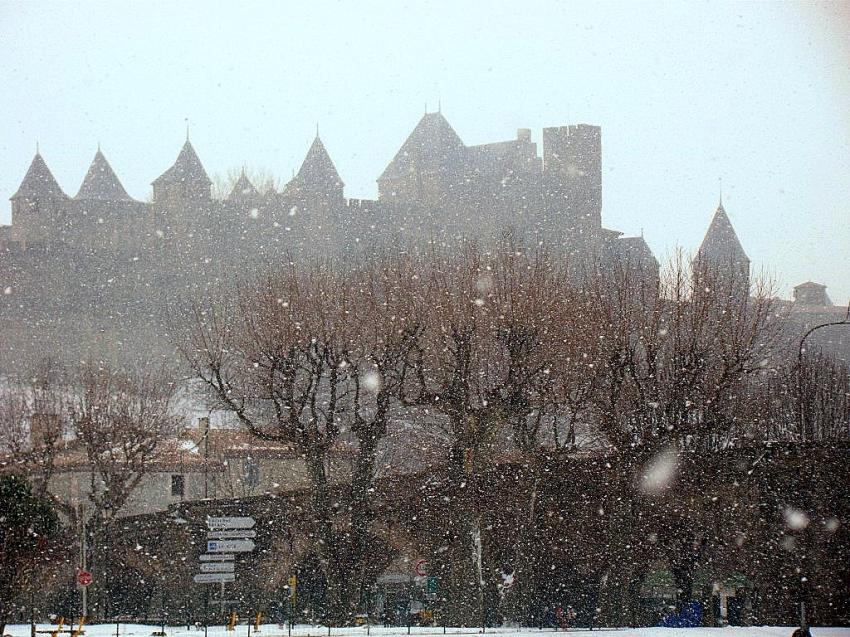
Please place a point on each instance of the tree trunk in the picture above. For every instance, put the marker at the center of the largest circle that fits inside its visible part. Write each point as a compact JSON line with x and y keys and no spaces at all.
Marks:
{"x":624,"y":573}
{"x":343,"y":554}
{"x":331,"y":553}
{"x":519,"y":598}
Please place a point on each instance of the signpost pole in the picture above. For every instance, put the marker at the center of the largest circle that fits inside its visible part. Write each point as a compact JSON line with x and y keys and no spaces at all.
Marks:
{"x":83,"y":557}
{"x":366,"y":606}
{"x":226,"y":536}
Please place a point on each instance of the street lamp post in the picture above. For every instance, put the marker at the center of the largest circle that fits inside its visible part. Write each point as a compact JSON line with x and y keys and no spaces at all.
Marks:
{"x":804,"y":624}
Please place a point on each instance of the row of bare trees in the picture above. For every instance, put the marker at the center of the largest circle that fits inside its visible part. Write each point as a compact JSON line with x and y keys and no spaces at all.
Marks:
{"x":453,"y":364}
{"x":489,"y":356}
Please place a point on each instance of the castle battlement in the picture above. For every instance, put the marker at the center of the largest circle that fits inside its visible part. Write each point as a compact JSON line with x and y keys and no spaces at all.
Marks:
{"x":435,"y":186}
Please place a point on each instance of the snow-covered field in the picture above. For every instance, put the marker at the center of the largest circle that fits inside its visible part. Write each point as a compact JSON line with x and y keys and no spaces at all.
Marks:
{"x":273,"y":630}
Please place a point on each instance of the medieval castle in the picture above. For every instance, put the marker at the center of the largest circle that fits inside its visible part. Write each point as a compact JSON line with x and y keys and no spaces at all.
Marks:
{"x":101,"y":267}
{"x":435,"y":187}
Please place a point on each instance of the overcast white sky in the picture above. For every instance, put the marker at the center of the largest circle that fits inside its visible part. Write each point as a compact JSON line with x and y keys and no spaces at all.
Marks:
{"x":755,"y":93}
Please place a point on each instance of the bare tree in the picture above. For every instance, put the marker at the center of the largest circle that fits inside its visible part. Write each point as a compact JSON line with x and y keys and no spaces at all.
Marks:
{"x":33,"y":423}
{"x":675,"y":368}
{"x":823,"y":393}
{"x":263,"y":180}
{"x":314,"y":359}
{"x":501,"y":361}
{"x":120,"y":418}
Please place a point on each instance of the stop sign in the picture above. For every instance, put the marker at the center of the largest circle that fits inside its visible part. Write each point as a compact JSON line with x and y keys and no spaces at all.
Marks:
{"x":84,"y":578}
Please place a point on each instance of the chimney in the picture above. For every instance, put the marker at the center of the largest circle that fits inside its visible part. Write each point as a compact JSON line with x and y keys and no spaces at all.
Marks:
{"x":523,"y":134}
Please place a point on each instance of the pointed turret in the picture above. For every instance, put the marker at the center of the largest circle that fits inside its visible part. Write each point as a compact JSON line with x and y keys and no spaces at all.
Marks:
{"x":317,"y":169}
{"x":243,"y":190}
{"x":318,"y":176}
{"x":39,"y":183}
{"x":721,"y":255}
{"x":432,"y":144}
{"x":101,"y":183}
{"x":721,"y":243}
{"x":429,"y":168}
{"x":39,"y":207}
{"x":186,"y":178}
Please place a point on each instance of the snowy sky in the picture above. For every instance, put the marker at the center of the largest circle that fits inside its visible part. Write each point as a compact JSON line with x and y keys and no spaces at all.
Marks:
{"x":686,"y":93}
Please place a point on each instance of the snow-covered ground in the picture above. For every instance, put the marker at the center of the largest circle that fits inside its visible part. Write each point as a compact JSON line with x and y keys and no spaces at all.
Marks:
{"x":273,"y":630}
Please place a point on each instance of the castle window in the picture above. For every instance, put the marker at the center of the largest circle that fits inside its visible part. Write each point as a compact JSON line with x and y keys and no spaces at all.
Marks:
{"x":178,"y":484}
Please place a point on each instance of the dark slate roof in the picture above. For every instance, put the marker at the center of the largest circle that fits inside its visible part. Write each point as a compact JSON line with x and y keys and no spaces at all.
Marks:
{"x":720,"y":242}
{"x":318,"y":168}
{"x":101,"y":183}
{"x":243,"y":189}
{"x":810,"y":285}
{"x":636,"y":248}
{"x":431,"y":145}
{"x":39,"y":182}
{"x":187,"y":168}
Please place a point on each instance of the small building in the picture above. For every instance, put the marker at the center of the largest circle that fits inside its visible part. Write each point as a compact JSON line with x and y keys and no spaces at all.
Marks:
{"x":811,"y":294}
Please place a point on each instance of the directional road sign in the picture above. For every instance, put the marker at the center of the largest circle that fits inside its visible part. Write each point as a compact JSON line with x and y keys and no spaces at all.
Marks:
{"x":235,"y":534}
{"x":217,"y":557}
{"x":229,"y":546}
{"x":214,"y":578}
{"x":230,"y":522}
{"x":218,"y":567}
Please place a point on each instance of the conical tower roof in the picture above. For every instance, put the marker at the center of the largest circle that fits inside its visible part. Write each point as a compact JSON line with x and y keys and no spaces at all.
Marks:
{"x":243,"y":189}
{"x":721,"y":243}
{"x":187,"y":168}
{"x":431,"y":145}
{"x":39,"y":182}
{"x":318,"y":170}
{"x":101,"y":183}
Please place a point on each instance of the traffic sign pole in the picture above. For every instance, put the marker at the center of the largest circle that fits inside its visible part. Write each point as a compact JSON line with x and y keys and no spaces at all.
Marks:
{"x":226,"y":536}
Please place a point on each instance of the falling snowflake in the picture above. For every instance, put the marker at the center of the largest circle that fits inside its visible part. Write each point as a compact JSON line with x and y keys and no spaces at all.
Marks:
{"x":659,"y":472}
